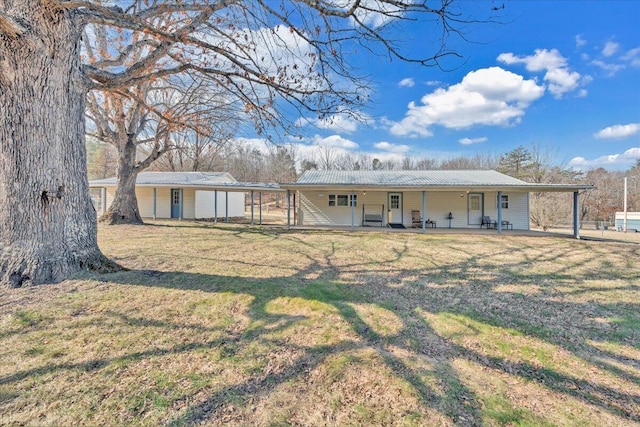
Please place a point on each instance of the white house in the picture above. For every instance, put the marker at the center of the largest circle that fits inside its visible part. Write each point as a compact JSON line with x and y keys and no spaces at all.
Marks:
{"x":189,"y":195}
{"x":443,"y":198}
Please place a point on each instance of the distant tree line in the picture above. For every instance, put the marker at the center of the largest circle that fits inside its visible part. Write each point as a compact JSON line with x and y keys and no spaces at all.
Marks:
{"x":280,"y":163}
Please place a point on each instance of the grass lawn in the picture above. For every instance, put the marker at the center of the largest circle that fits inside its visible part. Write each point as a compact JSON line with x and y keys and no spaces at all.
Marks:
{"x":239,"y":325}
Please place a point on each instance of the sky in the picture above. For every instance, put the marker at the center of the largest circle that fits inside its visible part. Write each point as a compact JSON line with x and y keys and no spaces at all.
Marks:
{"x":562,"y":75}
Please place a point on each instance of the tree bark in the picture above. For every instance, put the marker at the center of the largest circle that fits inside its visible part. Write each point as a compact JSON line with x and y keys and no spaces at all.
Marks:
{"x":124,"y":208}
{"x":48,"y":227}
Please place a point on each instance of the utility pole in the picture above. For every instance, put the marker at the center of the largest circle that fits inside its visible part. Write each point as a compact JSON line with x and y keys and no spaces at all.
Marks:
{"x":624,"y":221}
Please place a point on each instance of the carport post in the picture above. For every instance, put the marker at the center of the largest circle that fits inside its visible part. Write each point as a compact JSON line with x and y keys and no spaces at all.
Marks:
{"x":424,"y":212}
{"x":353,"y":211}
{"x":103,"y":196}
{"x":251,"y":207}
{"x":288,"y":209}
{"x":576,"y":218}
{"x":215,"y":206}
{"x":226,"y":207}
{"x":499,"y":222}
{"x":154,"y":202}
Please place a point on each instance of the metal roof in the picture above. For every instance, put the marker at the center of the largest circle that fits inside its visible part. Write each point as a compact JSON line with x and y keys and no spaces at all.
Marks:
{"x":209,"y":180}
{"x":408,"y":178}
{"x":442,"y":180}
{"x":169,"y":178}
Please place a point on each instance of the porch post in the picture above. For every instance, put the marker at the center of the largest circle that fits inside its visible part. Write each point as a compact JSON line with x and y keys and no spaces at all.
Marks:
{"x":215,"y":206}
{"x":260,"y":208}
{"x":103,"y":196}
{"x":226,"y":207}
{"x":499,"y":222}
{"x":576,"y":217}
{"x":295,"y":207}
{"x":424,"y":212}
{"x":288,"y":209}
{"x":353,"y":212}
{"x":154,"y":202}
{"x":251,"y":207}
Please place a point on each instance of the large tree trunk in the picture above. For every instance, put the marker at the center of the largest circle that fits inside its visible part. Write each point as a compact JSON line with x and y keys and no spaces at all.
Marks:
{"x":48,"y":227}
{"x":124,"y":208}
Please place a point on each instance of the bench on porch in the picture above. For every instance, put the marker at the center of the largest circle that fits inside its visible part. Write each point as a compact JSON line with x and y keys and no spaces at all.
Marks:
{"x":373,"y":218}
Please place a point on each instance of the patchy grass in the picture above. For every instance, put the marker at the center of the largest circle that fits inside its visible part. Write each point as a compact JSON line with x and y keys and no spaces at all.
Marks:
{"x":241,"y":325}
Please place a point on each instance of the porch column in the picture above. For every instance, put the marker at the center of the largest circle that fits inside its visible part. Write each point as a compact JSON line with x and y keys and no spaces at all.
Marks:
{"x":155,"y":204}
{"x":499,"y":222}
{"x":353,"y":212}
{"x":295,"y":208}
{"x":215,"y":206}
{"x":288,"y":209}
{"x":251,"y":207}
{"x":226,"y":207}
{"x":424,"y":212}
{"x":103,"y":196}
{"x":260,"y":208}
{"x":576,"y":217}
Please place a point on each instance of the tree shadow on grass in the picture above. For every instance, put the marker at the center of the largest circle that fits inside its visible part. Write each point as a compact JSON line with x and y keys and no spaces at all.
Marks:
{"x":455,"y":400}
{"x":468,"y":288}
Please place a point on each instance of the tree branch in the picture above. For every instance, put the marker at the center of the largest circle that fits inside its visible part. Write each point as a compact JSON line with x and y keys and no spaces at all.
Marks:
{"x":10,"y":26}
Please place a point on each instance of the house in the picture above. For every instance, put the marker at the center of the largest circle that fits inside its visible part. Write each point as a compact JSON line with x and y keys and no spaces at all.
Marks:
{"x":189,"y":195}
{"x":443,"y":198}
{"x":632,"y":221}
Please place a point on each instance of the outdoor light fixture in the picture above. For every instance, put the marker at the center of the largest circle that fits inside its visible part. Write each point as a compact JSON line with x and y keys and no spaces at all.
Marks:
{"x":364,"y":193}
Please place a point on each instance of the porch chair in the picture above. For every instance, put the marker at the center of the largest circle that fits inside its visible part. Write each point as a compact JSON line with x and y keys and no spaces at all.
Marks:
{"x":487,"y":222}
{"x":416,"y":220}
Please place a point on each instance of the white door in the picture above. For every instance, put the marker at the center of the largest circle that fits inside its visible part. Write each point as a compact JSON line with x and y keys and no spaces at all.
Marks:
{"x":395,"y":208}
{"x":474,"y":208}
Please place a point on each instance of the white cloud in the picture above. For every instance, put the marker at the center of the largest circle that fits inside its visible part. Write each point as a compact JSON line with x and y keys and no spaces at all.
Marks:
{"x":610,"y":48}
{"x":629,"y":157}
{"x":392,"y":148}
{"x":611,"y":69}
{"x":469,"y":141}
{"x":489,"y":96}
{"x":408,"y":82}
{"x":632,"y":57}
{"x":580,"y":41}
{"x":558,"y":75}
{"x":335,"y":141}
{"x":345,"y":121}
{"x":618,"y":131}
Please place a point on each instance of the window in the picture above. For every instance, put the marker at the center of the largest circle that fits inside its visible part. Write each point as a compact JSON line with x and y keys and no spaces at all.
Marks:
{"x":394,"y":201}
{"x":176,"y":197}
{"x":343,"y":200}
{"x":505,"y":201}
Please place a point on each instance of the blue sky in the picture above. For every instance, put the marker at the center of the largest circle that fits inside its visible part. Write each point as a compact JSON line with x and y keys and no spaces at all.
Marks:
{"x":564,"y":75}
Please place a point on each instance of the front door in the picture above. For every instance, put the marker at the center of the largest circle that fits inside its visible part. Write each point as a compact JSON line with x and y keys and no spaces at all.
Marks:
{"x":475,"y":208}
{"x":175,"y":203}
{"x":395,"y":208}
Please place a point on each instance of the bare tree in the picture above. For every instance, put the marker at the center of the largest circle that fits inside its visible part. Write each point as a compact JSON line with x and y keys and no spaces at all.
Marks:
{"x":266,"y":55}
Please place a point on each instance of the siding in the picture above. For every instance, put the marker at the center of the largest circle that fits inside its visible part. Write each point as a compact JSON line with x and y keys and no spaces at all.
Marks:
{"x":315,"y":209}
{"x":163,"y":202}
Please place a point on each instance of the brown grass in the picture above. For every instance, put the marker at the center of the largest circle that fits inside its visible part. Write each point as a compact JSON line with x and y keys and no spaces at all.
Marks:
{"x":240,"y":325}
